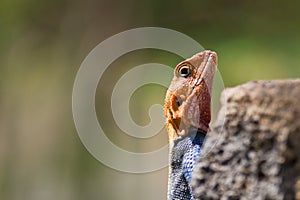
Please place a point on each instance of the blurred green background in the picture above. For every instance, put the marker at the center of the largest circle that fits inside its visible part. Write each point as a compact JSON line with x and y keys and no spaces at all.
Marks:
{"x":42,"y":46}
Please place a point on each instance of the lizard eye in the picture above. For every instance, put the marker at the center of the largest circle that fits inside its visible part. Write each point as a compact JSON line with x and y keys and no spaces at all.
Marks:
{"x":184,"y":71}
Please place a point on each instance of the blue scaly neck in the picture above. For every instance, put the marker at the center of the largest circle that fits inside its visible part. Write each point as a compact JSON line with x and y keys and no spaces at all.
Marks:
{"x":185,"y":151}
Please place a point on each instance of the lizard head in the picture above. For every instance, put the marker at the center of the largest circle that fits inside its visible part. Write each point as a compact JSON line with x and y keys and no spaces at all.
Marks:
{"x":187,"y":103}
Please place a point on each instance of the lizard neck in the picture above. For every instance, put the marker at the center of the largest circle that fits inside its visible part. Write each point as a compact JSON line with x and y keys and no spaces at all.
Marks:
{"x":184,"y":153}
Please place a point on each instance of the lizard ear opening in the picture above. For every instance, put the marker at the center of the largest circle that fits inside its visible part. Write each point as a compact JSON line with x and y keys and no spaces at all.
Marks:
{"x":179,"y":101}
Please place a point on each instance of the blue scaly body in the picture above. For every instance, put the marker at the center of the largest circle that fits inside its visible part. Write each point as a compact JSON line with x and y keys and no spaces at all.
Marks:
{"x":183,"y":156}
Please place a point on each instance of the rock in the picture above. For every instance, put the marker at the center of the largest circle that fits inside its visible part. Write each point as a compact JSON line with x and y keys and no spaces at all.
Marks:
{"x":253,"y":150}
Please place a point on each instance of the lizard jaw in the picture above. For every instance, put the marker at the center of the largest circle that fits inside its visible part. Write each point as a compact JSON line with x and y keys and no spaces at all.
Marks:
{"x":197,"y":113}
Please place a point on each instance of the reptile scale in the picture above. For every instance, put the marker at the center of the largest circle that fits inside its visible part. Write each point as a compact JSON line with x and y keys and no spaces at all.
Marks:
{"x":187,"y":109}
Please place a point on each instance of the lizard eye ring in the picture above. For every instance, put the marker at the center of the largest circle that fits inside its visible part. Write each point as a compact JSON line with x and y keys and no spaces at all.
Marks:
{"x":184,"y":71}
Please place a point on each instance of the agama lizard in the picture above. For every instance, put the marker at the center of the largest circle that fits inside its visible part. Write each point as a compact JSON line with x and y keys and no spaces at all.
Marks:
{"x":187,"y":109}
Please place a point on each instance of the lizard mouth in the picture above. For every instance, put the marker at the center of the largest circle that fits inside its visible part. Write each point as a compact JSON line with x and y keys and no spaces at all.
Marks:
{"x":198,"y":114}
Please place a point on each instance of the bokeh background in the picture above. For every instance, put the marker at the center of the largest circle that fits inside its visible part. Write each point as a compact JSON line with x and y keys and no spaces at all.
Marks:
{"x":42,"y":44}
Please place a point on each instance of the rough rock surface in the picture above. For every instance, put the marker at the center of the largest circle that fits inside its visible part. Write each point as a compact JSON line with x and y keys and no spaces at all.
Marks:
{"x":253,"y":151}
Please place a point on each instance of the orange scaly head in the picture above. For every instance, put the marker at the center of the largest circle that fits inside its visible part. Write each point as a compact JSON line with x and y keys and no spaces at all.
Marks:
{"x":187,"y":103}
